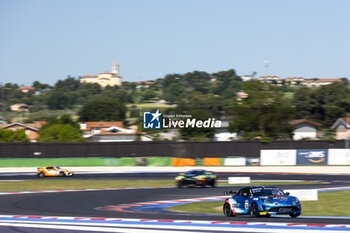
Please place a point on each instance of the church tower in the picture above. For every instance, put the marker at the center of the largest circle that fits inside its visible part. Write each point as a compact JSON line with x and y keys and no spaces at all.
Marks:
{"x":115,"y":68}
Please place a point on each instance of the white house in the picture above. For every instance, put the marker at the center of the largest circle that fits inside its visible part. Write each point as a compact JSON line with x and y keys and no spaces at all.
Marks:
{"x":107,"y":132}
{"x":304,"y":129}
{"x":222,"y":134}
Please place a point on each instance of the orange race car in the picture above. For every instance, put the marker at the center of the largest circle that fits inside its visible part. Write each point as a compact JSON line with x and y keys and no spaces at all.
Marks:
{"x":53,"y":171}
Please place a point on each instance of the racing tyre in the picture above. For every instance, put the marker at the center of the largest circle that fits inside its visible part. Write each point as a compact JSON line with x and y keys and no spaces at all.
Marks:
{"x":254,"y":210}
{"x":294,"y":215}
{"x":41,"y":175}
{"x":213,"y":183}
{"x":61,"y":174}
{"x":179,"y":184}
{"x":227,"y":210}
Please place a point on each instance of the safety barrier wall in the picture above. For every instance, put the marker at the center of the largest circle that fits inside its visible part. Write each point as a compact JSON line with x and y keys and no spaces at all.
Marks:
{"x":192,"y":150}
{"x":305,"y":157}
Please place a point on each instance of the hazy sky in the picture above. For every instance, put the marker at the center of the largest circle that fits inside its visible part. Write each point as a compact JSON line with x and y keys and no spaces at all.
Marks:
{"x":48,"y":40}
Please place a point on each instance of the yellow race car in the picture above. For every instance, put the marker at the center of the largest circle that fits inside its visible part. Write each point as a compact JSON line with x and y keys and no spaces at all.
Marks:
{"x":196,"y":177}
{"x":53,"y":171}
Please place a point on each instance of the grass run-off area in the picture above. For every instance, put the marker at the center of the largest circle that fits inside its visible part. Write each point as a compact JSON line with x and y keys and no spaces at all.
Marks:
{"x":60,"y":184}
{"x":335,"y":203}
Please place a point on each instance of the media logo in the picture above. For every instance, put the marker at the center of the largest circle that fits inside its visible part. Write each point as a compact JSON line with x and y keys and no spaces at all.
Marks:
{"x":151,"y":120}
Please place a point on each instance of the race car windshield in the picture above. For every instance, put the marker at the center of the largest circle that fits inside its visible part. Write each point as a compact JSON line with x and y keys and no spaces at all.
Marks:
{"x":267,"y":192}
{"x":57,"y":167}
{"x":195,"y":172}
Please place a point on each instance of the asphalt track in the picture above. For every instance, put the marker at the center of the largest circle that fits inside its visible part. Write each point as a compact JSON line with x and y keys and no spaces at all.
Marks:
{"x":88,"y":204}
{"x":342,"y":179}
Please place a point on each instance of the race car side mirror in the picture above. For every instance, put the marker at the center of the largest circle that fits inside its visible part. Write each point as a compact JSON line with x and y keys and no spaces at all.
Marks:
{"x":287,"y":193}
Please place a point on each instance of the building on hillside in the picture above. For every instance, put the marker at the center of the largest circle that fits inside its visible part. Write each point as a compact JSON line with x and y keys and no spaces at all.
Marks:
{"x":246,"y":78}
{"x":342,"y":128}
{"x":144,"y":84}
{"x":19,"y":108}
{"x":297,"y":81}
{"x":26,"y":89}
{"x":105,"y":78}
{"x":241,"y":95}
{"x":107,"y":132}
{"x":31,"y":130}
{"x":213,"y":78}
{"x":294,"y":81}
{"x":320,"y":82}
{"x":304,"y":129}
{"x":274,"y":80}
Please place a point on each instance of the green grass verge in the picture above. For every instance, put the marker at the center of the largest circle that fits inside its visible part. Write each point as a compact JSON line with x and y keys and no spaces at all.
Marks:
{"x":49,"y":183}
{"x":335,"y":203}
{"x":67,"y":162}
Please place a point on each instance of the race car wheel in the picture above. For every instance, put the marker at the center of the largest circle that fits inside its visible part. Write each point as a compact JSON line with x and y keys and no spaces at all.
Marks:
{"x":227,"y":210}
{"x":254,"y":210}
{"x":294,"y":215}
{"x":213,"y":183}
{"x":41,"y":175}
{"x":179,"y":184}
{"x":61,"y":174}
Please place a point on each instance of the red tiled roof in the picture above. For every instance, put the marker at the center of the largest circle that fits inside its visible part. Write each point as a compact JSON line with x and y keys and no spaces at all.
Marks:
{"x":102,"y":124}
{"x":329,"y":80}
{"x":303,"y":121}
{"x":26,"y":88}
{"x":20,"y":124}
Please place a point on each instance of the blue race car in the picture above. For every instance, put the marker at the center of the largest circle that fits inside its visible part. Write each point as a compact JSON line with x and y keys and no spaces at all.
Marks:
{"x":261,"y":201}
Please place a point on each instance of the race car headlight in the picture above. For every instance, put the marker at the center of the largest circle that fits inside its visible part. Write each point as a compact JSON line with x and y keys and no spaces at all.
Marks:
{"x":267,"y":201}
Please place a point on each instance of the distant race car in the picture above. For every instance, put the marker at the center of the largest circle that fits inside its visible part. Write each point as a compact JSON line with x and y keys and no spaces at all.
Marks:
{"x":261,"y":201}
{"x":53,"y":171}
{"x":196,"y":177}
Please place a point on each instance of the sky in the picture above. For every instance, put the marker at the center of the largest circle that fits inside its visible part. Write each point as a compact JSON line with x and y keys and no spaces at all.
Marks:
{"x":46,"y":41}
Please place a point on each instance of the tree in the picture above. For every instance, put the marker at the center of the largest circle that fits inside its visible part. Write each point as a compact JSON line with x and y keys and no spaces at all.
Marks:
{"x":324,"y":104}
{"x":173,"y":92}
{"x":58,"y":100}
{"x":227,"y":83}
{"x":102,"y":109}
{"x":68,"y":84}
{"x":264,"y":113}
{"x":209,"y":103}
{"x":7,"y":135}
{"x":39,"y":86}
{"x":60,"y":133}
{"x":195,"y":133}
{"x":64,"y":119}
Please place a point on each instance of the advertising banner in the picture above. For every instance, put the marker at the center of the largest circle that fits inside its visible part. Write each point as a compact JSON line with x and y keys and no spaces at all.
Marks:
{"x":304,"y":194}
{"x":239,"y":180}
{"x":235,"y":161}
{"x":307,"y":157}
{"x":253,"y":161}
{"x":339,"y":157}
{"x":278,"y":157}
